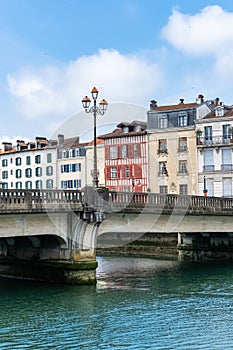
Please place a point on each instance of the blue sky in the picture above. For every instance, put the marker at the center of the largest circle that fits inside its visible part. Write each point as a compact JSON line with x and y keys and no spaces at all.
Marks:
{"x":53,"y":52}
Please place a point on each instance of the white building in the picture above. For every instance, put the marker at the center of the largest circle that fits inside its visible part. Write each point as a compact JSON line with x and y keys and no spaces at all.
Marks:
{"x":214,"y":151}
{"x":50,"y":164}
{"x":28,"y":166}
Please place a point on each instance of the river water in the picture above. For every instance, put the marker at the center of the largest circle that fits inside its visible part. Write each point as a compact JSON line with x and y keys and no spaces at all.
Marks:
{"x":138,"y":303}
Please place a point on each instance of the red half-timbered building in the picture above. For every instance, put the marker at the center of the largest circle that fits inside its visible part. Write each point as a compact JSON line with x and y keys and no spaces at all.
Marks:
{"x":126,"y":158}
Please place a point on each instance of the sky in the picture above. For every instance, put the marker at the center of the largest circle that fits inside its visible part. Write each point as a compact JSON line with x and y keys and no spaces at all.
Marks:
{"x":52,"y":53}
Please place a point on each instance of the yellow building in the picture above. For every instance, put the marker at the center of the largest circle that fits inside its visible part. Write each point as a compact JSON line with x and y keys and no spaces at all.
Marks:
{"x":172,"y":146}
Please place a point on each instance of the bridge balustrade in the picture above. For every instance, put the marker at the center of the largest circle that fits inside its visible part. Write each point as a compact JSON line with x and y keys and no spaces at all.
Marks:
{"x":11,"y":200}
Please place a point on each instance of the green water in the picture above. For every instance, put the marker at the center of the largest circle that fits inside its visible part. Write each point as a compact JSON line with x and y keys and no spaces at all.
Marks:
{"x":136,"y":304}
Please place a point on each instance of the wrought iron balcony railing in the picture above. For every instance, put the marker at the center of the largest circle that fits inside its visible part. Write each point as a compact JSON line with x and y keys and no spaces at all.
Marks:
{"x":208,"y":168}
{"x":214,"y":141}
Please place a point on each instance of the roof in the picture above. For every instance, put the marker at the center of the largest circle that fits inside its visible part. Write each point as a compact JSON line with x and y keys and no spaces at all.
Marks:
{"x":228,"y":112}
{"x":119,"y":131}
{"x":98,"y":142}
{"x":174,"y":107}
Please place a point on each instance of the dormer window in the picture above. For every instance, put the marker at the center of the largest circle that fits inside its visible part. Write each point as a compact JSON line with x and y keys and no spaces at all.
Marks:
{"x":183,"y":119}
{"x":163,"y":121}
{"x":219,"y":111}
{"x":125,"y":129}
{"x":137,"y":128}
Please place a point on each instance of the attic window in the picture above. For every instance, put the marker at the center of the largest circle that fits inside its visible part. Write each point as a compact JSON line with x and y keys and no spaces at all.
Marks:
{"x":183,"y":119}
{"x":219,"y":112}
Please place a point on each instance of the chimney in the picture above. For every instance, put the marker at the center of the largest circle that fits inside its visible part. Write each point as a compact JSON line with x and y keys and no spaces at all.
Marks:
{"x":7,"y":146}
{"x":153,"y":104}
{"x":60,"y":139}
{"x":217,"y":101}
{"x":200,"y":99}
{"x":181,"y":100}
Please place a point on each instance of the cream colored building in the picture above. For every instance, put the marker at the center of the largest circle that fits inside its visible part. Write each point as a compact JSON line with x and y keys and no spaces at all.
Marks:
{"x":172,"y":146}
{"x":76,"y":161}
{"x":90,"y":162}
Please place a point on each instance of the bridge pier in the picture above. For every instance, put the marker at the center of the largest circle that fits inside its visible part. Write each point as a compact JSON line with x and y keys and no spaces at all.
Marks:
{"x":59,"y":247}
{"x":205,"y":246}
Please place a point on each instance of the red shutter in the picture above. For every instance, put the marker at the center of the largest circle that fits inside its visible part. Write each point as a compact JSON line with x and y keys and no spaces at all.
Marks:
{"x":107,"y":152}
{"x":139,"y":149}
{"x":137,"y":171}
{"x":130,"y":150}
{"x":119,"y":172}
{"x":107,"y":172}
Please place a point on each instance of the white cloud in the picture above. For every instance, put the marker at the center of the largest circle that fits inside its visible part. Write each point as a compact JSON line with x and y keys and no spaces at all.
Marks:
{"x":207,"y":32}
{"x":53,"y":93}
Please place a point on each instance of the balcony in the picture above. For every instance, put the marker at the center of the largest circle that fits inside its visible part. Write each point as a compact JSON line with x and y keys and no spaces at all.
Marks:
{"x":162,"y":151}
{"x":208,"y":168}
{"x":214,"y":141}
{"x":227,"y":167}
{"x":182,"y":149}
{"x":183,"y":172}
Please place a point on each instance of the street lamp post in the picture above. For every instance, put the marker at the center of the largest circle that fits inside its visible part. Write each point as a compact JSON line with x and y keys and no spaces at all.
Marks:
{"x":204,"y":188}
{"x":101,"y":109}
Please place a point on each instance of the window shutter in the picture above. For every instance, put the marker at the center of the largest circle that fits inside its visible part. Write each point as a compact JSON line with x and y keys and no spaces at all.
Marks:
{"x":107,"y":152}
{"x":137,"y":171}
{"x":108,"y":173}
{"x":130,"y":149}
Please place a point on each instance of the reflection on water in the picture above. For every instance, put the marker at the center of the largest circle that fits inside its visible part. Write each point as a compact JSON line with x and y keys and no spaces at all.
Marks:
{"x":137,"y":304}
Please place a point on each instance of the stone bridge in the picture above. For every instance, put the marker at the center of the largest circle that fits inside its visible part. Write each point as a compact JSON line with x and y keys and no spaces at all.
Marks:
{"x":53,"y":234}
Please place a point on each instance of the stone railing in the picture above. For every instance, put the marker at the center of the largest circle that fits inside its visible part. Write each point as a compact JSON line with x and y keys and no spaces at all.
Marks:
{"x":60,"y":200}
{"x":39,"y":200}
{"x":153,"y":202}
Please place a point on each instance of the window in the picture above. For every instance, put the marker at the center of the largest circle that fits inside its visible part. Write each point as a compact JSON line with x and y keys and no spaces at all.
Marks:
{"x":210,"y":186}
{"x":227,"y":187}
{"x":49,"y":170}
{"x":18,"y":161}
{"x":208,"y":135}
{"x":49,"y":158}
{"x":4,"y":162}
{"x":28,"y":172}
{"x":163,"y":189}
{"x":208,"y":160}
{"x":77,"y":183}
{"x":182,"y":144}
{"x":18,"y":173}
{"x":136,"y":150}
{"x":163,"y":168}
{"x":162,"y":146}
{"x":37,"y":159}
{"x":113,"y":152}
{"x":18,"y":185}
{"x":28,"y":185}
{"x":38,"y":184}
{"x":127,"y":173}
{"x":75,"y":167}
{"x":183,"y":119}
{"x":124,"y":151}
{"x":28,"y":160}
{"x":183,"y":189}
{"x":226,"y":133}
{"x":49,"y":184}
{"x":226,"y":159}
{"x":5,"y":174}
{"x":183,"y":167}
{"x":38,"y":171}
{"x":113,"y":172}
{"x":163,"y":121}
